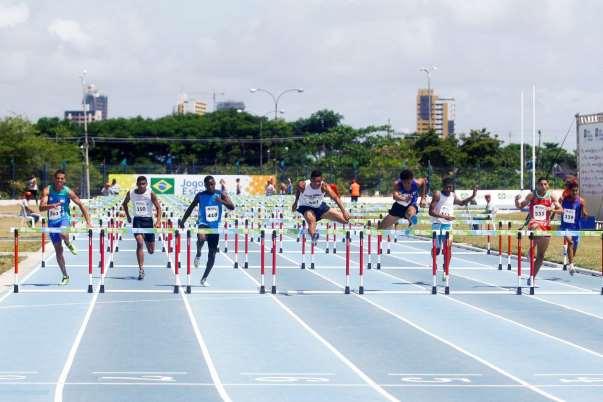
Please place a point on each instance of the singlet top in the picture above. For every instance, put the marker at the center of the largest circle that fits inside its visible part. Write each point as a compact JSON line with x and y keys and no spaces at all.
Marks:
{"x":540,"y":208}
{"x":143,"y":204}
{"x":355,"y":189}
{"x":61,"y":212}
{"x":572,"y":212}
{"x":210,"y":210}
{"x":311,"y":197}
{"x":413,"y":192}
{"x":444,"y":206}
{"x":270,"y":190}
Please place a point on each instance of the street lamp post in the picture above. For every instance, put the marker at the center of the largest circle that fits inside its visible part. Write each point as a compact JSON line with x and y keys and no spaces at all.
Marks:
{"x":86,"y":143}
{"x":275,"y":99}
{"x":261,"y":143}
{"x":428,"y":70}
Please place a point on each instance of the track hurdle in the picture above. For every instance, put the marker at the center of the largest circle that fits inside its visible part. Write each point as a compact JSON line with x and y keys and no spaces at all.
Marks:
{"x":361,"y":265}
{"x":43,"y":263}
{"x":518,"y":263}
{"x":347,"y":262}
{"x":262,"y":266}
{"x":89,"y":260}
{"x":509,"y":247}
{"x":236,"y":244}
{"x":273,"y":262}
{"x":246,"y":265}
{"x":188,"y":261}
{"x":500,"y":224}
{"x":177,"y":261}
{"x":102,"y":261}
{"x":532,"y":267}
{"x":16,"y":260}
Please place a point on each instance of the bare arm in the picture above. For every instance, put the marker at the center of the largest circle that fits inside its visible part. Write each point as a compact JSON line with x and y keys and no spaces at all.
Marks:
{"x":523,"y":203}
{"x":125,"y":206}
{"x":155,"y":202}
{"x":301,"y":186}
{"x":44,"y":205}
{"x":327,"y":189}
{"x":432,"y":205}
{"x":190,"y":209}
{"x":423,"y":191}
{"x":76,"y":200}
{"x":225,"y":199}
{"x":466,"y":200}
{"x":396,"y":194}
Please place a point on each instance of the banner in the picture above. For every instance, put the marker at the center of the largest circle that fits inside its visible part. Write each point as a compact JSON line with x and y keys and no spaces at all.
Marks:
{"x":190,"y":185}
{"x":590,"y":161}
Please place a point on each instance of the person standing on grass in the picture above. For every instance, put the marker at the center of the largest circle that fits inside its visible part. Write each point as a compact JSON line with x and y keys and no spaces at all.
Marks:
{"x":574,"y":209}
{"x":143,"y":199}
{"x":542,"y":204}
{"x":55,"y":200}
{"x":354,"y":190}
{"x":210,"y":203}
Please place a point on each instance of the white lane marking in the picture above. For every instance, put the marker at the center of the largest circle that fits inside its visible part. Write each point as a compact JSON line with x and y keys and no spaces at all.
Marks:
{"x":328,"y":345}
{"x":285,"y":373}
{"x":538,"y":298}
{"x":567,"y":374}
{"x":449,"y":343}
{"x":204,"y":349}
{"x":140,"y":372}
{"x":436,"y":374}
{"x":566,"y":342}
{"x":24,"y":279}
{"x":58,"y":392}
{"x":142,"y":378}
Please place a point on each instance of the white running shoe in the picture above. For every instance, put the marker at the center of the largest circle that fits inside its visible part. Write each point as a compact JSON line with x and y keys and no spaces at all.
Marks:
{"x":204,"y":283}
{"x":197,"y":262}
{"x":572,"y":269}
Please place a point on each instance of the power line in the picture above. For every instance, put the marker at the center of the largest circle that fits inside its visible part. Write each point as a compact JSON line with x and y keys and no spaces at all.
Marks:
{"x":119,"y":140}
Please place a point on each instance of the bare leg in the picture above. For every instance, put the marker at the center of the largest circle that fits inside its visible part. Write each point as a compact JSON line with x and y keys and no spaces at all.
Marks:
{"x":150,"y":246}
{"x":311,"y":221}
{"x":58,"y":249}
{"x":387,"y":222}
{"x":140,"y":251}
{"x":542,"y":243}
{"x":334,"y":215}
{"x":410,"y":212}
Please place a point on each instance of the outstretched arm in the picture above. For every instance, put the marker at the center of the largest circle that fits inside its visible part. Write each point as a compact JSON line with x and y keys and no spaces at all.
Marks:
{"x":189,"y":210}
{"x":125,"y":206}
{"x":83,"y":208}
{"x":327,"y":189}
{"x":155,"y":202}
{"x":301,"y":186}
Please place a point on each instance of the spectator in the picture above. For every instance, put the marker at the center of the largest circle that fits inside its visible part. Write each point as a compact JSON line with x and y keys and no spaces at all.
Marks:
{"x":238,"y":188}
{"x":270,"y":188}
{"x":223,"y":185}
{"x":114,"y":190}
{"x":289,"y":186}
{"x":354,"y":190}
{"x":27,"y":212}
{"x":106,"y":190}
{"x":283,"y":188}
{"x":32,"y":188}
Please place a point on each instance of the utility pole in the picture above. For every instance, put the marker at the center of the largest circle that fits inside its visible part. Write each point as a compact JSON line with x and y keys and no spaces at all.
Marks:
{"x":86,"y":143}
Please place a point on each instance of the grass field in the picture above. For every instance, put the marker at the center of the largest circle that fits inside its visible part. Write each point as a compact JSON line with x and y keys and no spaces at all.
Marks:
{"x":7,"y":222}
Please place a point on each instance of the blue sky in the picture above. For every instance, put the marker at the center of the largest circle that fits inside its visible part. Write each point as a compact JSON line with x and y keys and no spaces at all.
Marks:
{"x":359,"y":58}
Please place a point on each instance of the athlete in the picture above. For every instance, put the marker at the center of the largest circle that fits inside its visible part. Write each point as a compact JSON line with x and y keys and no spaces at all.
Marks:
{"x":143,"y":200}
{"x":309,"y":201}
{"x":210,"y":204}
{"x":574,"y":209}
{"x":55,"y":200}
{"x":441,"y":210}
{"x":542,"y":204}
{"x":406,"y":191}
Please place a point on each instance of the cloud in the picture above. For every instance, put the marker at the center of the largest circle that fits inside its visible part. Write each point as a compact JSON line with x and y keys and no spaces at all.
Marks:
{"x":70,"y":32}
{"x":13,"y":15}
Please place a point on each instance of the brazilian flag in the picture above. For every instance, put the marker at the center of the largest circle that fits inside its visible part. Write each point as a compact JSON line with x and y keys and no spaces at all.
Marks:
{"x":162,"y":185}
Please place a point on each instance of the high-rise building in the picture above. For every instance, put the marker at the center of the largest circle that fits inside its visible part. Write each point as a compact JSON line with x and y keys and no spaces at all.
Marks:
{"x":97,"y":106}
{"x":435,"y":113}
{"x":185,"y":106}
{"x":230,"y":105}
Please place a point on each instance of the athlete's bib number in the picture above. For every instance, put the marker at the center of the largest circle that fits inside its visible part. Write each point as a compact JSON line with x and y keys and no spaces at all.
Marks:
{"x":406,"y":198}
{"x":569,"y":215}
{"x":54,"y":213}
{"x":211,"y":213}
{"x":445,"y":210}
{"x":141,"y":208}
{"x":540,"y":213}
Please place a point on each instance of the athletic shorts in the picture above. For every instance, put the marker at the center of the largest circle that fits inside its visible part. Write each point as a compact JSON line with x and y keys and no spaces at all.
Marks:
{"x":213,"y":239}
{"x":400,"y":210}
{"x":441,"y":229}
{"x":571,"y":227}
{"x":143,"y":222}
{"x":62,"y":223}
{"x":318,"y":212}
{"x":539,"y":226}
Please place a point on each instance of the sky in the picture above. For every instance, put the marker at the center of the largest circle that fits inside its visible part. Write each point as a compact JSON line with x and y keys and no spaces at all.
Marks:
{"x":360,"y":58}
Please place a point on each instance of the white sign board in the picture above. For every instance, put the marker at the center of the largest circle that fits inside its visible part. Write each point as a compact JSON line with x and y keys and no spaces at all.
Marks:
{"x":590,"y":161}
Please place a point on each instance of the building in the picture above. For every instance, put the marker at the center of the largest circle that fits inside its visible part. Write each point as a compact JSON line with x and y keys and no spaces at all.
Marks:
{"x":435,"y":112}
{"x":193,"y":106}
{"x":230,"y":105}
{"x":97,"y":106}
